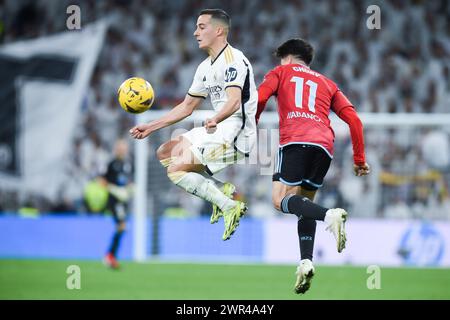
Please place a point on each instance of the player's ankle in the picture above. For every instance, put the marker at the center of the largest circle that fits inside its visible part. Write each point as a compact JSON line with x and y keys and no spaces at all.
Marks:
{"x":228,"y":205}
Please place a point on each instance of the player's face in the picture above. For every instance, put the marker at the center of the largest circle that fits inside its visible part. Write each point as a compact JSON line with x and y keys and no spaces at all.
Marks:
{"x":205,"y":33}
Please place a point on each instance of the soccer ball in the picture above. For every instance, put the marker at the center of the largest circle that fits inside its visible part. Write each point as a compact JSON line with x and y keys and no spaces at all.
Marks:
{"x":135,"y":95}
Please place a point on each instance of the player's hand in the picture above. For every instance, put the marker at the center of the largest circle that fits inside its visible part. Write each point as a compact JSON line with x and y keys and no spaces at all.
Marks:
{"x":210,"y":125}
{"x":140,"y":131}
{"x":361,"y":170}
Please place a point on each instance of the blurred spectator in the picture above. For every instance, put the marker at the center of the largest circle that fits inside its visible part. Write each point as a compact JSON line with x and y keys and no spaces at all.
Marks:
{"x":436,"y":149}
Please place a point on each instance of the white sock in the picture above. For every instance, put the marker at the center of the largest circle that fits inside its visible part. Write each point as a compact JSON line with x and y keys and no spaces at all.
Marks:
{"x":217,"y":182}
{"x":198,"y":185}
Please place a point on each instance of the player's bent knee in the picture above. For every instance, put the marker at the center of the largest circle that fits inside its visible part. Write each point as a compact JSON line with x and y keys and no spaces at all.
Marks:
{"x":175,"y":176}
{"x":172,"y":168}
{"x":168,"y":149}
{"x":163,"y":152}
{"x":186,"y":167}
{"x":277,"y":205}
{"x":276,"y":201}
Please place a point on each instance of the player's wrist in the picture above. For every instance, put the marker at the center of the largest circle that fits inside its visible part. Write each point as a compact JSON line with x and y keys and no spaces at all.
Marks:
{"x":214,"y":120}
{"x":152,"y":128}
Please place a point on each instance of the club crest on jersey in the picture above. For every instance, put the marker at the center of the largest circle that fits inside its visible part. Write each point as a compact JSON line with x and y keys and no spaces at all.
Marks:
{"x":230,"y":74}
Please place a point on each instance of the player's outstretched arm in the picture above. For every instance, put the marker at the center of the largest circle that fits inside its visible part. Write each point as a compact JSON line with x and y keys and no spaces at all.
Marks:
{"x":178,"y":113}
{"x":349,"y":115}
{"x":231,"y":106}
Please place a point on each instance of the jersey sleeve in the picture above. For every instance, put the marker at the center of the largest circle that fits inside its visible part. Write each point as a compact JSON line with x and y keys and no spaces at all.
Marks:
{"x":339,"y":102}
{"x":271,"y":81}
{"x":197,"y":88}
{"x":349,"y":115}
{"x":266,"y":89}
{"x":235,"y":74}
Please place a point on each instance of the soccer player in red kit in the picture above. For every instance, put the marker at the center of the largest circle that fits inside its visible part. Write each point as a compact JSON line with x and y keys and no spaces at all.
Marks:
{"x":304,"y":100}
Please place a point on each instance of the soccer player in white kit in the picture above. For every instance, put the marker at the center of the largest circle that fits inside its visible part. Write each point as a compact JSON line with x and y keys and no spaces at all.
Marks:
{"x":226,"y":76}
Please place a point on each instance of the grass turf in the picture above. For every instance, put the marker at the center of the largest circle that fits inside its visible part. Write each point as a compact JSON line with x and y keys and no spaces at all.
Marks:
{"x":46,"y":279}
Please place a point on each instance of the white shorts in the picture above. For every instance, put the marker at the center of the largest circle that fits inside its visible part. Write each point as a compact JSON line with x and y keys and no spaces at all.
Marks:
{"x":216,"y":150}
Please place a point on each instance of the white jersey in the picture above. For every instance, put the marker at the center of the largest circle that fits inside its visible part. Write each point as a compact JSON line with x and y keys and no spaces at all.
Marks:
{"x":230,"y":69}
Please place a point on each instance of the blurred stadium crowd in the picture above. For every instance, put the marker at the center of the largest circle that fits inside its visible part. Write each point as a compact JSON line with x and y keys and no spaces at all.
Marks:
{"x":403,"y":67}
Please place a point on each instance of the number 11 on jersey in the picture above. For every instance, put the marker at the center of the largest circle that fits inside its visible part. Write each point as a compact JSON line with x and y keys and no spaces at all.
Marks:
{"x":299,"y":82}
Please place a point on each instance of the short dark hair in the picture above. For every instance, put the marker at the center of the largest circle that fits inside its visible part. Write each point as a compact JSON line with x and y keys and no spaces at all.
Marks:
{"x":299,"y":48}
{"x":218,"y":14}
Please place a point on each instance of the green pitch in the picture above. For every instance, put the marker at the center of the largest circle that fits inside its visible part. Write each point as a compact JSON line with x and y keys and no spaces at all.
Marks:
{"x":46,"y":279}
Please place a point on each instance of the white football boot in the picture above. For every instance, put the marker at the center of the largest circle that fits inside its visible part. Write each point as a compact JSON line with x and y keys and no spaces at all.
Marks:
{"x":335,"y":220}
{"x":305,"y":273}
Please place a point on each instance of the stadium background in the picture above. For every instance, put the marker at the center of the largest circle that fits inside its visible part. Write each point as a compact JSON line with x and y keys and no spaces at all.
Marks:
{"x":399,"y":214}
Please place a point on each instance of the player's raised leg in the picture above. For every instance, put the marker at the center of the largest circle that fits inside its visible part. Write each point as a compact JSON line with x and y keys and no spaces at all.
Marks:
{"x":167,"y":154}
{"x":304,"y":208}
{"x":183,"y":170}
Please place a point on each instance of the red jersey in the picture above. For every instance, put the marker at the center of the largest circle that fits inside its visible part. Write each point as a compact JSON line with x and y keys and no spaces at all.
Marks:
{"x":305,"y":98}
